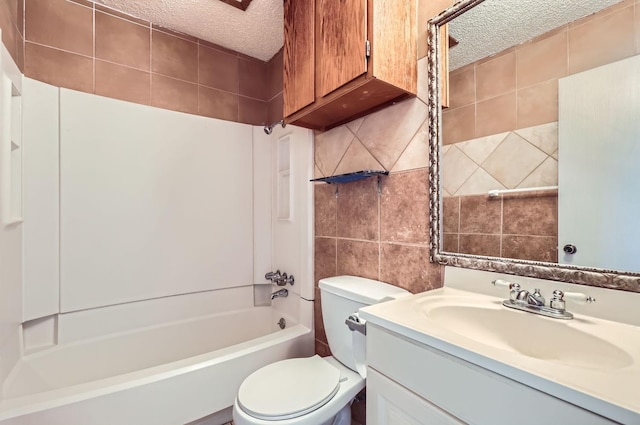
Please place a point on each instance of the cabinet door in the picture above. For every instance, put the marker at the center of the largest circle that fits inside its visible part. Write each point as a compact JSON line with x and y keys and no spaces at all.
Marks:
{"x":299,"y":55}
{"x":388,"y":403}
{"x":340,"y":51}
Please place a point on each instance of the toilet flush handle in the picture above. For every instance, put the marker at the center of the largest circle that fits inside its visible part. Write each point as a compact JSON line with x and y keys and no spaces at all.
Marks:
{"x":355,"y":323}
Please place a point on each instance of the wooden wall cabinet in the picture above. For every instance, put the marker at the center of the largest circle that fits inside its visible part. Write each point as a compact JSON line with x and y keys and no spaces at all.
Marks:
{"x":344,"y":58}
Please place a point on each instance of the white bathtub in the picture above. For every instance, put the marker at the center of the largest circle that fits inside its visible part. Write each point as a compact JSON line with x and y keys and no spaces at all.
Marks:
{"x":170,"y":374}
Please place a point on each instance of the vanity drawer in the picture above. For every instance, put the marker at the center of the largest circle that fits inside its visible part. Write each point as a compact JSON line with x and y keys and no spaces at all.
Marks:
{"x":389,"y":404}
{"x":471,"y":393}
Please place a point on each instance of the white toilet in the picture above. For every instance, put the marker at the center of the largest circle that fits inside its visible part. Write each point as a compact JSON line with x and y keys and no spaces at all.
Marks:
{"x":316,"y":390}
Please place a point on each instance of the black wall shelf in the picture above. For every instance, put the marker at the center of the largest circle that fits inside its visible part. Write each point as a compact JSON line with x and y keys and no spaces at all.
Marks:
{"x":351,"y":177}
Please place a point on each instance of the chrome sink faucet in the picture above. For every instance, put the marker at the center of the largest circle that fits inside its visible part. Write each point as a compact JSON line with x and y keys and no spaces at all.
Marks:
{"x":527,"y":297}
{"x":523,"y":300}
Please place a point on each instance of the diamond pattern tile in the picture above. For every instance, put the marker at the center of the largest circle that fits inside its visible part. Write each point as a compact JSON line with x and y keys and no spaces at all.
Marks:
{"x":456,"y":169}
{"x":416,"y":155}
{"x":354,"y":125}
{"x":545,"y":175}
{"x":544,"y":137}
{"x":330,"y":147}
{"x":513,"y":160}
{"x":387,"y":133}
{"x":479,"y":149}
{"x":479,"y":182}
{"x":507,"y":160}
{"x":357,"y":158}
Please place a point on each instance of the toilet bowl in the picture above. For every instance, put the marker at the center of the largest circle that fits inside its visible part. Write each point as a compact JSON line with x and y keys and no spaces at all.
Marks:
{"x":316,"y":390}
{"x":284,"y":400}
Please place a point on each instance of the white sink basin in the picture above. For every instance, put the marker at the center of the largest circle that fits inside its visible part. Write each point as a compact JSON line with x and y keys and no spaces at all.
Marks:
{"x":527,"y":334}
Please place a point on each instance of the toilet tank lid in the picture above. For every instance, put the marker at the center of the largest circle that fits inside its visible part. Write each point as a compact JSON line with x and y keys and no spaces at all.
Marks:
{"x":360,"y":289}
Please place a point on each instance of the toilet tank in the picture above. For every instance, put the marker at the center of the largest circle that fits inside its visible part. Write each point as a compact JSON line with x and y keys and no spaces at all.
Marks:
{"x":343,"y":296}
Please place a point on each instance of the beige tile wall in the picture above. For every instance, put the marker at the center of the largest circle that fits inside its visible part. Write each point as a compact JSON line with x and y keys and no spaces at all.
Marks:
{"x":520,"y":226}
{"x":518,"y":88}
{"x":522,"y":158}
{"x":371,"y":229}
{"x":375,"y":230}
{"x":379,"y":236}
{"x":85,"y":46}
{"x":274,"y":74}
{"x":366,"y":229}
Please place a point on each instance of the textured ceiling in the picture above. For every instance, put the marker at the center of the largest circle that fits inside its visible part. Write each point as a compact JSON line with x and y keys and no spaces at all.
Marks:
{"x":495,"y":25}
{"x":257,"y":32}
{"x":489,"y":28}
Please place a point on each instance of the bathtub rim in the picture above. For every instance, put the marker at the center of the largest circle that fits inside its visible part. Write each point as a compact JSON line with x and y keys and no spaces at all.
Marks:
{"x":45,"y":400}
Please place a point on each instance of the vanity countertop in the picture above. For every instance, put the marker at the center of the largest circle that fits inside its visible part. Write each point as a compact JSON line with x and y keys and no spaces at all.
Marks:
{"x":591,"y":362}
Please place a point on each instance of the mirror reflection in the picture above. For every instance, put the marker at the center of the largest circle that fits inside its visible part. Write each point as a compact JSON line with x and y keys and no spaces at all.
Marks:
{"x":541,"y":138}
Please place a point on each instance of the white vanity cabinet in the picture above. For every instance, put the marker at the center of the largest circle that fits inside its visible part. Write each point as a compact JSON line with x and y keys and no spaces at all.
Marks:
{"x":389,"y":403}
{"x":411,"y":383}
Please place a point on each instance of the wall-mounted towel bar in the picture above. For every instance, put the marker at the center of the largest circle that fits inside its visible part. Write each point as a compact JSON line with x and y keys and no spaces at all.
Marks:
{"x":497,"y":192}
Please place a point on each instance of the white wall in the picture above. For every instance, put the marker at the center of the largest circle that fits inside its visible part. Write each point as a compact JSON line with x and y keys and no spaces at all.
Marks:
{"x":262,"y":186}
{"x":41,"y":199}
{"x":153,"y":202}
{"x":10,"y":233}
{"x":292,"y":168}
{"x":139,"y":216}
{"x":285,"y":173}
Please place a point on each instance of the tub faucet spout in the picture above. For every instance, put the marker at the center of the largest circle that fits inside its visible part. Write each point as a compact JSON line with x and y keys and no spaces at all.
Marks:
{"x":280,"y":293}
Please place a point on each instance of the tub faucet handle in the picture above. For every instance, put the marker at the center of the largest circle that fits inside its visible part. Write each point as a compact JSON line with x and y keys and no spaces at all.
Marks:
{"x":273,"y":276}
{"x":284,"y":279}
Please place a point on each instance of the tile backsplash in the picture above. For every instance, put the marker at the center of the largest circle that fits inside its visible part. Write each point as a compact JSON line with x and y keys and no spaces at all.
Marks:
{"x":373,"y":228}
{"x":522,"y":158}
{"x":91,"y":48}
{"x":518,"y":225}
{"x":522,"y":226}
{"x":498,"y":105}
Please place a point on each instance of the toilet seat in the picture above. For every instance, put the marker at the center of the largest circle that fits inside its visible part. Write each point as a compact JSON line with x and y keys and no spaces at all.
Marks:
{"x":289,"y":388}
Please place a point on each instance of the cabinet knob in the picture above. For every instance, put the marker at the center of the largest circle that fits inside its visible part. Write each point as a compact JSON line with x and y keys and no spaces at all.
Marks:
{"x":570,"y":249}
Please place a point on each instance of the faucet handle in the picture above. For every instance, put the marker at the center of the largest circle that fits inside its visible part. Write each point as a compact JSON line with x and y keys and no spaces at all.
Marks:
{"x":281,"y":280}
{"x":273,"y":276}
{"x":557,"y":300}
{"x":579,"y":297}
{"x":559,"y":297}
{"x":514,"y":288}
{"x":501,"y":283}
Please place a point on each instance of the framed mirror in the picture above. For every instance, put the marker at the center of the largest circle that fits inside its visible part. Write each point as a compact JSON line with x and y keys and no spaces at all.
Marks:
{"x":534,"y":139}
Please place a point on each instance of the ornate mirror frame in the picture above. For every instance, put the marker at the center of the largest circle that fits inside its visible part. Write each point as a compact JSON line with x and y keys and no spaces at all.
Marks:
{"x":628,"y":281}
